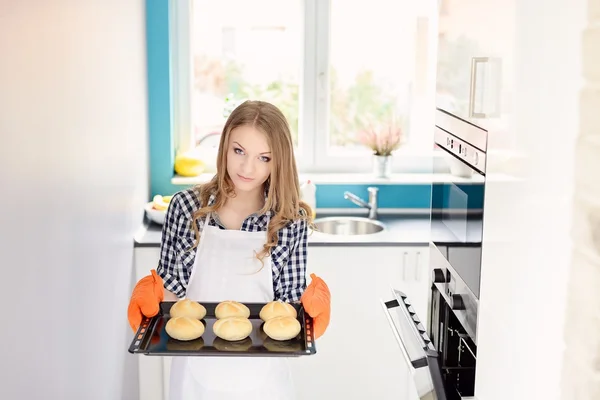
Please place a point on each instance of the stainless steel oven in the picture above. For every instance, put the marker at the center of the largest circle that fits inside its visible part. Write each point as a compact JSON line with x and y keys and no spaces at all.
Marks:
{"x":442,"y":351}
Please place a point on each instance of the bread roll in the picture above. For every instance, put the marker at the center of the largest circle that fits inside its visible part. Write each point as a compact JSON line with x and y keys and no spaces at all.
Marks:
{"x":230,"y":308}
{"x":226,"y":345}
{"x":232,"y":328}
{"x":184,"y":328}
{"x":282,"y":328}
{"x":188,"y":308}
{"x":277,"y":309}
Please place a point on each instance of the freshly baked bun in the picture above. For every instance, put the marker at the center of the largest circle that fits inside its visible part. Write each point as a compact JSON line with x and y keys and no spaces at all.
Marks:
{"x":184,"y":328}
{"x":190,"y":345}
{"x":282,"y":328}
{"x":230,"y":308}
{"x":232,"y":328}
{"x":277,"y":309}
{"x":188,"y":308}
{"x":226,"y":345}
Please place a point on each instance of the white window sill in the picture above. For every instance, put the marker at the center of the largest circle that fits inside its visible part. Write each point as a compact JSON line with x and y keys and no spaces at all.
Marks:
{"x":354,"y":179}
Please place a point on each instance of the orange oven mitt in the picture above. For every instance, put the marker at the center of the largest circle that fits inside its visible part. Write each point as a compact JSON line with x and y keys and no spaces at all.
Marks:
{"x":316,"y":300}
{"x":145,"y":299}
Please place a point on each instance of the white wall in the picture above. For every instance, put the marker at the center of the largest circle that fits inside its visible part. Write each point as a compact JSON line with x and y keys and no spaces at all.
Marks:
{"x":73,"y":178}
{"x":581,"y":370}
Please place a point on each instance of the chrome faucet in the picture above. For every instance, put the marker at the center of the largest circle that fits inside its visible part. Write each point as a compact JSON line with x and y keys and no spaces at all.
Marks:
{"x":371,"y":205}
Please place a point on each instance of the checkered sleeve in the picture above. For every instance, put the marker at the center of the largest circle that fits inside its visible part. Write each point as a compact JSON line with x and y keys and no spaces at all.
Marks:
{"x":291,"y":281}
{"x":169,"y":269}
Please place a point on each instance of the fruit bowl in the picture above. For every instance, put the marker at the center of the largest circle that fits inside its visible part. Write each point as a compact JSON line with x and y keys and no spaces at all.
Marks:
{"x":156,"y":209}
{"x":156,"y":216}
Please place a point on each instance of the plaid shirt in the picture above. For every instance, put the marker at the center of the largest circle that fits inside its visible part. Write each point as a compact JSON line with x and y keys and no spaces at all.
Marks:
{"x":176,"y":264}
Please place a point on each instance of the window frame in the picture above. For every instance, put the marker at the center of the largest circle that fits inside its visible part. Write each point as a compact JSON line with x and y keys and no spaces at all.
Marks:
{"x":313,"y":151}
{"x":180,"y":25}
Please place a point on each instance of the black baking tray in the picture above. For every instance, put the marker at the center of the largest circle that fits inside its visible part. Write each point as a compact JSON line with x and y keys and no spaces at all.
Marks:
{"x":151,"y":338}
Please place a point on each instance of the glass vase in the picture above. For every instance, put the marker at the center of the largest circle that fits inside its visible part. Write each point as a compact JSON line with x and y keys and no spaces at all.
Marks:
{"x":382,"y":166}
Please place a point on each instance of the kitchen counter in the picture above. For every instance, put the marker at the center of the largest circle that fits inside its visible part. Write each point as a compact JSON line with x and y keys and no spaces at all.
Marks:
{"x":401,"y":230}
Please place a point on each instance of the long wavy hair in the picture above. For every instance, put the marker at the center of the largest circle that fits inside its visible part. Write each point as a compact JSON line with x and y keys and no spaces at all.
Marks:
{"x":283,"y":197}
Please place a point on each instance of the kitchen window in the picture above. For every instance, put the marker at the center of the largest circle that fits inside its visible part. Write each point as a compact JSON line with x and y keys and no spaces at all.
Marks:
{"x":332,"y":66}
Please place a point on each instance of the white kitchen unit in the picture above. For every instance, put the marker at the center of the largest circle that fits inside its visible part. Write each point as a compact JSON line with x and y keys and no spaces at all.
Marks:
{"x":358,"y":357}
{"x":476,"y":81}
{"x":530,"y":107}
{"x":525,"y":269}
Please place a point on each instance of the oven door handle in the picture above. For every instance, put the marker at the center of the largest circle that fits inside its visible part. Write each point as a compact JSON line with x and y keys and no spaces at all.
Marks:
{"x":419,"y":333}
{"x":419,"y":362}
{"x":413,"y":339}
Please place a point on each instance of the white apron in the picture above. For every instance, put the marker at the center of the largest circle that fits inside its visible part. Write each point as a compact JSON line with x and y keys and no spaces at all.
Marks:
{"x":225,"y":268}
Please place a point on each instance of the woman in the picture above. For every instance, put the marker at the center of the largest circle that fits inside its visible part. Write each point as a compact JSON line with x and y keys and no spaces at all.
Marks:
{"x":242,"y":237}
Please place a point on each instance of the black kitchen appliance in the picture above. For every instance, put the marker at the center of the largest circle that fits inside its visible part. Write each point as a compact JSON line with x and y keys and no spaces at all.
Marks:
{"x":443,"y":351}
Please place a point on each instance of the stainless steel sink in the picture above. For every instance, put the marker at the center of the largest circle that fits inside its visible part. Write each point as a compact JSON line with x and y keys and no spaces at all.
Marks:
{"x":348,"y":226}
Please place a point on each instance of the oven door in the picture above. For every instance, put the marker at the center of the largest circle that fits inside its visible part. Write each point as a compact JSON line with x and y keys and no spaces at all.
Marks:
{"x":418,"y":351}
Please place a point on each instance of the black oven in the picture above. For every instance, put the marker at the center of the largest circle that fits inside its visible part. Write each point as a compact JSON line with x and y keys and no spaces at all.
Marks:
{"x":457,"y":218}
{"x":455,"y":252}
{"x":442,"y":350}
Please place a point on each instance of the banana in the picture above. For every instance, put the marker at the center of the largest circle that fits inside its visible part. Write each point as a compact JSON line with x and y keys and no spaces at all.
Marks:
{"x":189,"y":165}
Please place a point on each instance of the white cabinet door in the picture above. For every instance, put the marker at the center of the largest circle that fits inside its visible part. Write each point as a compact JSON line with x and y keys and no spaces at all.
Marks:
{"x":353,"y":358}
{"x":414,"y":283}
{"x":359,"y":344}
{"x":416,"y":278}
{"x":475,"y":78}
{"x":407,"y":272}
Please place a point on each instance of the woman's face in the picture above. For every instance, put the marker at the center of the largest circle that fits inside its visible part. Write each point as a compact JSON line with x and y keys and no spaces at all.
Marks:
{"x":248,"y":158}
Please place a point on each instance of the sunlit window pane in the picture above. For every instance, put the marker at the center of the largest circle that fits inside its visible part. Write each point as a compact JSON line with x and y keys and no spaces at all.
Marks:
{"x":245,"y":50}
{"x":371,"y":67}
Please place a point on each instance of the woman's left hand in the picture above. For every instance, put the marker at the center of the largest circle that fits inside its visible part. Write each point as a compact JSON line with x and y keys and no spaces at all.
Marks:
{"x":316,"y":300}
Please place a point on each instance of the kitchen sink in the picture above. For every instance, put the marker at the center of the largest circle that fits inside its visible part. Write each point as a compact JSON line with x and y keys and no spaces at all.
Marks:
{"x":348,"y":226}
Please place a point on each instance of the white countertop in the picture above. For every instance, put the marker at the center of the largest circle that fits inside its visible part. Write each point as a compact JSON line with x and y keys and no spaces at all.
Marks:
{"x":401,"y":230}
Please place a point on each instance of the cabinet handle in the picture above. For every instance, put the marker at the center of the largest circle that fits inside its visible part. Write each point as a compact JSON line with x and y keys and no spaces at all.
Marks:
{"x":492,"y":86}
{"x":473,"y":87}
{"x":404,"y":266}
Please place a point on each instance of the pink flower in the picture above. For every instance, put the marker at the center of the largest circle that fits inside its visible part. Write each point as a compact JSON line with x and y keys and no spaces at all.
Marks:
{"x":382,"y":139}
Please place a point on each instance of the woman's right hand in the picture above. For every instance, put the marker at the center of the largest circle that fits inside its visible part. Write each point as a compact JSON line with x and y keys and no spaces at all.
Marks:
{"x":145,"y":300}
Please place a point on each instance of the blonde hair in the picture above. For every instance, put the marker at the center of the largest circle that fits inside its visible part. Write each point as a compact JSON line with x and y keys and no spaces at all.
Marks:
{"x":283,"y":198}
